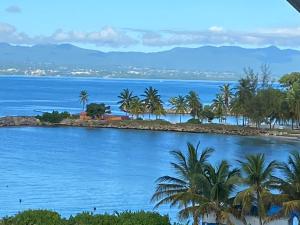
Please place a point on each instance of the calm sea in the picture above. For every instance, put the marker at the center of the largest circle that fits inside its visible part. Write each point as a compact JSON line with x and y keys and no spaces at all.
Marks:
{"x":76,"y":169}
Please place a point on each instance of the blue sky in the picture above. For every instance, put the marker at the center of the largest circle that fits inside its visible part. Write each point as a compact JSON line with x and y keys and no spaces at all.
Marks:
{"x":136,"y":25}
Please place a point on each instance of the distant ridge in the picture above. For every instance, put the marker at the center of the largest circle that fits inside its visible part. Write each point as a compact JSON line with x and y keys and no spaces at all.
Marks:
{"x":206,"y":58}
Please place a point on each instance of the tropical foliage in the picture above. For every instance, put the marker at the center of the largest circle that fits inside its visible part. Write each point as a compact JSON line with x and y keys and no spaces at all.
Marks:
{"x":44,"y":217}
{"x":96,"y":110}
{"x":83,"y":97}
{"x":200,"y":188}
{"x":53,"y":117}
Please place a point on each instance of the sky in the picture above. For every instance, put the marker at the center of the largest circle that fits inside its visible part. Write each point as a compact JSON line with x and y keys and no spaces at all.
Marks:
{"x":156,"y":25}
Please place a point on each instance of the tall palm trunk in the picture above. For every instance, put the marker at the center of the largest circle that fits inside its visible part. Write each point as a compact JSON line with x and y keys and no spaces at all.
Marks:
{"x":258,"y":207}
{"x":195,"y":215}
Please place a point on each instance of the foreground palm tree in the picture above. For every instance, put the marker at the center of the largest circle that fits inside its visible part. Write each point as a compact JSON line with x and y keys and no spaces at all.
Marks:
{"x":258,"y":178}
{"x":126,"y":96}
{"x":83,"y":97}
{"x":217,"y":198}
{"x":289,"y":186}
{"x":179,"y":105}
{"x":183,"y":190}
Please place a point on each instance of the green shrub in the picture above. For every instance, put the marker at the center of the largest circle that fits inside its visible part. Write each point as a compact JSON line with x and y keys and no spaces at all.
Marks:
{"x":54,"y":117}
{"x":35,"y":217}
{"x":96,"y":110}
{"x":193,"y":121}
{"x":44,"y":217}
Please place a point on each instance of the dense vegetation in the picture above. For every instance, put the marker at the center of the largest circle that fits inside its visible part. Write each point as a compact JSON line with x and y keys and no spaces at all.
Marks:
{"x":44,"y":217}
{"x":255,"y":99}
{"x":200,"y":188}
{"x":96,"y":110}
{"x":54,"y":117}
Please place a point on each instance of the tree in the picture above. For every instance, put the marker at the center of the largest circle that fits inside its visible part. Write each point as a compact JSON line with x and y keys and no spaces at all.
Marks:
{"x":159,"y":110}
{"x":266,"y":73}
{"x":258,"y":178}
{"x":293,"y":97}
{"x":151,"y":100}
{"x":96,"y":110}
{"x":246,"y":90}
{"x":179,"y":105}
{"x":208,"y":113}
{"x":183,"y":190}
{"x":289,"y":79}
{"x":218,"y":107}
{"x":227,"y":94}
{"x":126,"y":96}
{"x":289,"y":186}
{"x":84,"y":97}
{"x":222,"y":185}
{"x":136,"y":107}
{"x":194,"y":104}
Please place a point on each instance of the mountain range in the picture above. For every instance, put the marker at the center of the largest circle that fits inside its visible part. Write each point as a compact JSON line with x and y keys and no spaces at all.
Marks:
{"x":222,"y":59}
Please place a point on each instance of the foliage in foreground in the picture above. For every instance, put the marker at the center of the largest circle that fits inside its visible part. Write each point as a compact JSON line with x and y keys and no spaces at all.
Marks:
{"x":200,"y":188}
{"x":45,"y":217}
{"x":54,"y":117}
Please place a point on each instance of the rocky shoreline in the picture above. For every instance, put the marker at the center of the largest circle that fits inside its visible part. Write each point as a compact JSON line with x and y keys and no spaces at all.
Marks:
{"x":21,"y":121}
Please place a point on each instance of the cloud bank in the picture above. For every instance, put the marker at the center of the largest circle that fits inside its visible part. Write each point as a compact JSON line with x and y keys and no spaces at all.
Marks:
{"x":123,"y":38}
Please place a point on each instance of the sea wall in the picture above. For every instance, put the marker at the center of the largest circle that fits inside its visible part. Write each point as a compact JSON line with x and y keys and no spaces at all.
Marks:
{"x":11,"y":121}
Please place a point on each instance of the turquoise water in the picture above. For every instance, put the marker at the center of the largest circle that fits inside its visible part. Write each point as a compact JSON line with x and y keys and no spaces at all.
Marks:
{"x":27,"y":95}
{"x":76,"y":169}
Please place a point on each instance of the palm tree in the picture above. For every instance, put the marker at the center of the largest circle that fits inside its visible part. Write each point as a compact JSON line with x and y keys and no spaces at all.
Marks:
{"x":219,"y":107}
{"x":258,"y":178}
{"x":136,"y":107}
{"x":179,"y":105}
{"x":184,"y":189}
{"x":194,"y":104}
{"x":227,"y":94}
{"x":126,"y":96}
{"x":220,"y":185}
{"x":151,"y":99}
{"x":84,"y":97}
{"x":159,"y":110}
{"x":289,"y":186}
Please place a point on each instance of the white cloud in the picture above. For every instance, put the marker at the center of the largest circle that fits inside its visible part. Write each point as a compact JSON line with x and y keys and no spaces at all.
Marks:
{"x":216,"y":29}
{"x":107,"y":36}
{"x":282,"y":37}
{"x":13,"y":9}
{"x":118,"y":38}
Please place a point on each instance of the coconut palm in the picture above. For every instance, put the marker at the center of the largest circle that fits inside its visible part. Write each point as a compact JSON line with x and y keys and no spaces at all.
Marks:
{"x":136,"y":107}
{"x":151,"y":99}
{"x":159,"y":110}
{"x":289,"y":186}
{"x":227,"y":94}
{"x":184,"y":189}
{"x":258,"y":178}
{"x":83,"y":97}
{"x":194,"y":104}
{"x":221,"y":183}
{"x":179,"y":105}
{"x":218,"y":107}
{"x":126,"y":96}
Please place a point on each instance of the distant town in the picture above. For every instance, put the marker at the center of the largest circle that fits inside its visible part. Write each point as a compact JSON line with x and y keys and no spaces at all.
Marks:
{"x":128,"y":72}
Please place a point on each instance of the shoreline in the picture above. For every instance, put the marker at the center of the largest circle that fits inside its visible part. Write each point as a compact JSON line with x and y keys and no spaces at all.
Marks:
{"x":153,"y":125}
